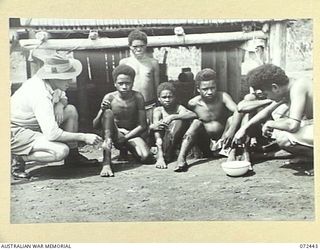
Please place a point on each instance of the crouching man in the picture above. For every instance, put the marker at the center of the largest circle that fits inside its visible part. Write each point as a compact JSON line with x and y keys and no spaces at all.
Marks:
{"x":44,"y":127}
{"x":293,"y":132}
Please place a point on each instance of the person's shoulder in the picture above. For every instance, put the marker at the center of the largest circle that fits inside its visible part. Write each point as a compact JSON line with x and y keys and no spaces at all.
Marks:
{"x":301,"y":84}
{"x":158,"y":109}
{"x":123,"y":60}
{"x":194,"y":101}
{"x":110,"y":96}
{"x":137,"y":95}
{"x":154,"y":61}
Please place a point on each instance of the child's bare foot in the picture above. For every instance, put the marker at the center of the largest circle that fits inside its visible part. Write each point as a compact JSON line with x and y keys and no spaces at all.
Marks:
{"x":106,"y":171}
{"x":182,"y":166}
{"x":161,"y":164}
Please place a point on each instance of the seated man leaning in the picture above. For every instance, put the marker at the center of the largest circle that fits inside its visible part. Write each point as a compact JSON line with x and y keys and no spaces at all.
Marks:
{"x":214,"y":122}
{"x":38,"y":108}
{"x":293,"y":132}
{"x":123,"y":119}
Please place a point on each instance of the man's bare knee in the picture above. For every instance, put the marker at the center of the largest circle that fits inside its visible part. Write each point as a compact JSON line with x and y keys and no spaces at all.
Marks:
{"x":71,"y":111}
{"x":61,"y":153}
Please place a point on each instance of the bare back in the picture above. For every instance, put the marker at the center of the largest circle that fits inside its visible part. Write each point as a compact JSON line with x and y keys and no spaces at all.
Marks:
{"x":301,"y":98}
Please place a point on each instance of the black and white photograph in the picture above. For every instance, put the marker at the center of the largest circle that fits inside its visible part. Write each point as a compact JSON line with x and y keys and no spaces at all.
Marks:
{"x":157,"y":120}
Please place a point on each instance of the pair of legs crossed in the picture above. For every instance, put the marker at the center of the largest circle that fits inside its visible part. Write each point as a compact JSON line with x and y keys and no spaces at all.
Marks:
{"x":112,"y":134}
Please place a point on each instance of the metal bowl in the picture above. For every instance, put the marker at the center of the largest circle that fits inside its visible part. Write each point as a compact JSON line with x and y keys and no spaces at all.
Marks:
{"x":235,"y":168}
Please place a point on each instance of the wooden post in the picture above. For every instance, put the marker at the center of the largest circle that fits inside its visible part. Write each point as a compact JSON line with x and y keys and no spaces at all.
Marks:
{"x":277,"y":43}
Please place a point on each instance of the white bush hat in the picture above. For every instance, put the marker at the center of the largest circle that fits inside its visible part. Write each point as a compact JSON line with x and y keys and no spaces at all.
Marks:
{"x":59,"y":67}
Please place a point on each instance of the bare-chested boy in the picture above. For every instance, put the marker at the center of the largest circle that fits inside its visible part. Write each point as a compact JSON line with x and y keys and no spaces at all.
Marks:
{"x":146,"y":68}
{"x":213,"y":109}
{"x":169,"y":123}
{"x":293,"y":132}
{"x":123,"y":119}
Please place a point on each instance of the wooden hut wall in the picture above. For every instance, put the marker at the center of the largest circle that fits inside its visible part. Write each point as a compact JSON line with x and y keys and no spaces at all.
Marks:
{"x":94,"y":81}
{"x":226,"y":61}
{"x":96,"y":78}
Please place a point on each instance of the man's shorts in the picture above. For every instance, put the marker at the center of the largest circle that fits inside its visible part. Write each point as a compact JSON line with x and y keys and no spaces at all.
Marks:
{"x":22,"y":140}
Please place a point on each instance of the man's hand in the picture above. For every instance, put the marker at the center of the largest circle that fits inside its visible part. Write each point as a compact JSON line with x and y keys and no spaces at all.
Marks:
{"x":167,"y":120}
{"x":158,"y":126}
{"x":227,"y":138}
{"x":92,"y":139}
{"x":105,"y":105}
{"x":239,"y":137}
{"x":267,"y":129}
{"x":58,"y":113}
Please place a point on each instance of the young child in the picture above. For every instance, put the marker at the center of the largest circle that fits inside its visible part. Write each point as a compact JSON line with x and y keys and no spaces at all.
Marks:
{"x":123,"y":118}
{"x":169,"y":123}
{"x":214,"y":121}
{"x":146,"y":68}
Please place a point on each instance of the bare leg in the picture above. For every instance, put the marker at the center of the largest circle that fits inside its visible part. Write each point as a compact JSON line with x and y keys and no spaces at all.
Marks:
{"x":46,"y":151}
{"x":160,"y":159}
{"x":173,"y":137}
{"x":187,"y":143}
{"x":110,"y":131}
{"x":139,"y":148}
{"x":70,"y":124}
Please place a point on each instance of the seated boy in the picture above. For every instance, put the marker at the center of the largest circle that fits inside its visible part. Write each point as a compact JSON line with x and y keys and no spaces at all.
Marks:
{"x":169,"y":123}
{"x":213,"y":109}
{"x":123,"y":118}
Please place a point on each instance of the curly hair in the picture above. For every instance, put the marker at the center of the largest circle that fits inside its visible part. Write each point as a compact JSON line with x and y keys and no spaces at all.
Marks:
{"x":137,"y":35}
{"x":206,"y":74}
{"x":265,"y":75}
{"x":166,"y":86}
{"x":123,"y":69}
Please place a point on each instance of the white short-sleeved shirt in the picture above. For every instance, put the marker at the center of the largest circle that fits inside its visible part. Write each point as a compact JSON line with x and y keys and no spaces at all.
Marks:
{"x":32,"y":107}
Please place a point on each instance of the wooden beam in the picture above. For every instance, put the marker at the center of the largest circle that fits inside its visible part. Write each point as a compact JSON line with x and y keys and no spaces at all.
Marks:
{"x":153,"y":41}
{"x":277,"y":42}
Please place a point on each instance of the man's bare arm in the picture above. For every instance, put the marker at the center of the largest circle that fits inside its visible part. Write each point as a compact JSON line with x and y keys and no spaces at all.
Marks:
{"x":232,"y":106}
{"x":250,"y":103}
{"x":291,"y":123}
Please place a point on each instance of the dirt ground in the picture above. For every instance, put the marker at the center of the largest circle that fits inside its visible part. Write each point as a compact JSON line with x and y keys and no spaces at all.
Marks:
{"x":274,"y":191}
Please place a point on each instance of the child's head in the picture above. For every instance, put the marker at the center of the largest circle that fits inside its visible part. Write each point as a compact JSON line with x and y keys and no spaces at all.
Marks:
{"x":166,"y":94}
{"x":123,"y":77}
{"x":270,"y":79}
{"x":206,"y":83}
{"x":138,"y":42}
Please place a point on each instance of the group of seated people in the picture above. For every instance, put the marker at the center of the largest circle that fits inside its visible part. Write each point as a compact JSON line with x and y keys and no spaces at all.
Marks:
{"x":44,"y":127}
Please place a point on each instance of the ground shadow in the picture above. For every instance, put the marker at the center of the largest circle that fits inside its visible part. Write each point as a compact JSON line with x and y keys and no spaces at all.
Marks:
{"x":302,"y":169}
{"x":198,"y":162}
{"x":41,"y":173}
